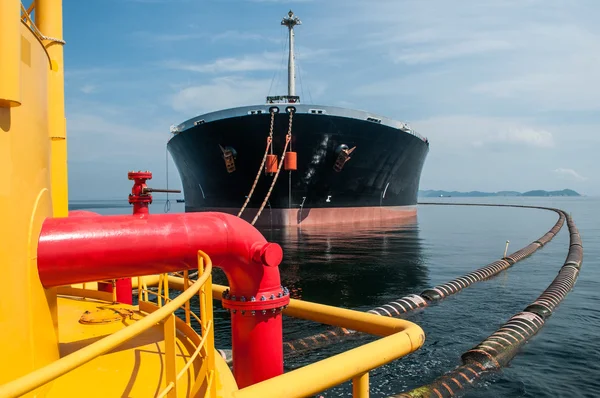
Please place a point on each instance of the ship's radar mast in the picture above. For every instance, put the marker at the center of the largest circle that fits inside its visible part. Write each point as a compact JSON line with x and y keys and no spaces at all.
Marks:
{"x":290,"y":21}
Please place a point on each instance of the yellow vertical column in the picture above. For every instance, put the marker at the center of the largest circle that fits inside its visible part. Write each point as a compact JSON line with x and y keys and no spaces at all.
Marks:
{"x":27,"y":310}
{"x":10,"y":50}
{"x":360,"y":386}
{"x":48,"y":19}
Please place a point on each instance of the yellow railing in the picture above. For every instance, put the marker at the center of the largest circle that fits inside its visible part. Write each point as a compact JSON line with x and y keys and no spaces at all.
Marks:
{"x":165,"y":314}
{"x":401,"y":337}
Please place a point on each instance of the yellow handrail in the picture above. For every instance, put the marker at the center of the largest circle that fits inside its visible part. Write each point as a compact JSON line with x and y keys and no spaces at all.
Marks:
{"x":402,"y":338}
{"x":72,"y":361}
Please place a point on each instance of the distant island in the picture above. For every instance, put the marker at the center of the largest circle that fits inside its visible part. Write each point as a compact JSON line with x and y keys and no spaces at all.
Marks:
{"x":478,"y":194}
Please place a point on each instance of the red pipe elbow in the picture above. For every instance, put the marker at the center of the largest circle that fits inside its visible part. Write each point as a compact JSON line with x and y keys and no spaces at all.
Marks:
{"x":83,"y":213}
{"x":84,"y":249}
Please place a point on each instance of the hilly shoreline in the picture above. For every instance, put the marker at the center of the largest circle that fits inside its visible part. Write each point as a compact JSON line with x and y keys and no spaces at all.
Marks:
{"x":478,"y":194}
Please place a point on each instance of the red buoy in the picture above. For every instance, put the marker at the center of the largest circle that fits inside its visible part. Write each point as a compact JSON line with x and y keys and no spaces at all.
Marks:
{"x":291,"y":161}
{"x":271,"y":165}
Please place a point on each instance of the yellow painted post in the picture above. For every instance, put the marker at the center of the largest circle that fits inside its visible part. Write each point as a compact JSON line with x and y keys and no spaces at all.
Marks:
{"x":48,"y":19}
{"x":206,"y":315}
{"x":166,"y":282}
{"x":10,"y":53}
{"x":28,"y":312}
{"x":145,"y":290}
{"x":186,"y":285}
{"x":360,"y":386}
{"x":139,"y":289}
{"x":210,"y":336}
{"x":159,"y":291}
{"x":170,"y":364}
{"x":202,"y":294}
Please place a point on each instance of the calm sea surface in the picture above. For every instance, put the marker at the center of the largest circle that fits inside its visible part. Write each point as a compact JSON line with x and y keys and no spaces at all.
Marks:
{"x":362,"y":267}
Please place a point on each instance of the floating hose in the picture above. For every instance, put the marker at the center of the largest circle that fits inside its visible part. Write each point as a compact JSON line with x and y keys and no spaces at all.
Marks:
{"x":414,"y":302}
{"x":498,"y":349}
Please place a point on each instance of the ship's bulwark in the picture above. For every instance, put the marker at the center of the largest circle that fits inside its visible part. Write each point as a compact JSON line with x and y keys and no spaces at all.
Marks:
{"x":380,"y":181}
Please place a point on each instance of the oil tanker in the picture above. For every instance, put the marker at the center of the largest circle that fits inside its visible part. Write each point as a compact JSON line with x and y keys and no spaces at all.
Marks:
{"x":285,"y":163}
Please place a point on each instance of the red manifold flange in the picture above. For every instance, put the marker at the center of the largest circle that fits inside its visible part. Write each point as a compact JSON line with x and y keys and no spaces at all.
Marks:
{"x":144,"y":175}
{"x":137,"y":194}
{"x":273,"y":300}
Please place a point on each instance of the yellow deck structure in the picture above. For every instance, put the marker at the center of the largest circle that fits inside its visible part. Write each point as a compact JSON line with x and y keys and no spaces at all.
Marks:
{"x":132,"y":367}
{"x":77,"y":342}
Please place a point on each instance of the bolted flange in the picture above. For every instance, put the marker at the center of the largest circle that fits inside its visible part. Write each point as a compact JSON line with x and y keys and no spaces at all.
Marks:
{"x":276,"y":301}
{"x":138,"y":196}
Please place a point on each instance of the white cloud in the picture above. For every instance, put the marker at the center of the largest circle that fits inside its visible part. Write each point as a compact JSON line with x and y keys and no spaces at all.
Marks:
{"x":108,"y":135}
{"x":88,"y":88}
{"x":220,"y":93}
{"x":569,"y":174}
{"x":525,"y":135}
{"x":502,"y":88}
{"x":449,"y":51}
{"x":280,"y":1}
{"x":505,"y":52}
{"x":255,"y":62}
{"x":459,"y":132}
{"x":571,"y":88}
{"x":85,"y":73}
{"x":265,"y":61}
{"x":195,"y":34}
{"x":235,"y":35}
{"x":170,"y":37}
{"x":157,"y":1}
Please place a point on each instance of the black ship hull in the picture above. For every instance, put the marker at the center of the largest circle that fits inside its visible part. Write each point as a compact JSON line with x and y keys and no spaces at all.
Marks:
{"x":380,"y":180}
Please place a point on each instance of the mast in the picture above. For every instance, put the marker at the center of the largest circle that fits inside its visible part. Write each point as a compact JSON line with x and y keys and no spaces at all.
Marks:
{"x":290,"y":21}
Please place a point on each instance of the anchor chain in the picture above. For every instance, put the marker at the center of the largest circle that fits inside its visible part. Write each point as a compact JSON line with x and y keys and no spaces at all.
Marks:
{"x":288,"y":139}
{"x":262,"y":164}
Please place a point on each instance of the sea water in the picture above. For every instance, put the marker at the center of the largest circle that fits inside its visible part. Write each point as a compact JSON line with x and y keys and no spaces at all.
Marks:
{"x":362,"y":267}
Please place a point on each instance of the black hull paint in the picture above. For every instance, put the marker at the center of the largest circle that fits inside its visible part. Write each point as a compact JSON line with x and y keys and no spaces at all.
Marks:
{"x":384,"y":170}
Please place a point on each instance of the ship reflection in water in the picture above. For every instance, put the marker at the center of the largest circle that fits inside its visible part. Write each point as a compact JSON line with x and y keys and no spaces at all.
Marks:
{"x":358,"y":265}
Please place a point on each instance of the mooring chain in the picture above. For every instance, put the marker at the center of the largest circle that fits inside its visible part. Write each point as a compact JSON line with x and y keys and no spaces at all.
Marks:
{"x":289,"y":133}
{"x":262,"y":164}
{"x":288,"y":140}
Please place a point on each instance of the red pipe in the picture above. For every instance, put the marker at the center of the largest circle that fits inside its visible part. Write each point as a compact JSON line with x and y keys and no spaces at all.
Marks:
{"x":123,"y":286}
{"x":84,"y":249}
{"x":124,"y":290}
{"x":83,"y":213}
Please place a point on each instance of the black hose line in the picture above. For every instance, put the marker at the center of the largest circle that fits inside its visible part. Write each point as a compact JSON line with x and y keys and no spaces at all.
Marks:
{"x":410,"y":303}
{"x":497,"y":350}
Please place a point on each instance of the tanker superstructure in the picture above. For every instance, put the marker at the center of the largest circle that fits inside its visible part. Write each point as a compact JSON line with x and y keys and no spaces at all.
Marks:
{"x":343,"y":165}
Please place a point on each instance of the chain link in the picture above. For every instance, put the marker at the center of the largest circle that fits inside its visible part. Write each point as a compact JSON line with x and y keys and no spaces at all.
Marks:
{"x":288,"y":140}
{"x":270,"y":135}
{"x":262,"y":164}
{"x":289,"y":133}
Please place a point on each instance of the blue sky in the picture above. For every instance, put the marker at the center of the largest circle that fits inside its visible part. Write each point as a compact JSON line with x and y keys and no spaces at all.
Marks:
{"x":506,"y":91}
